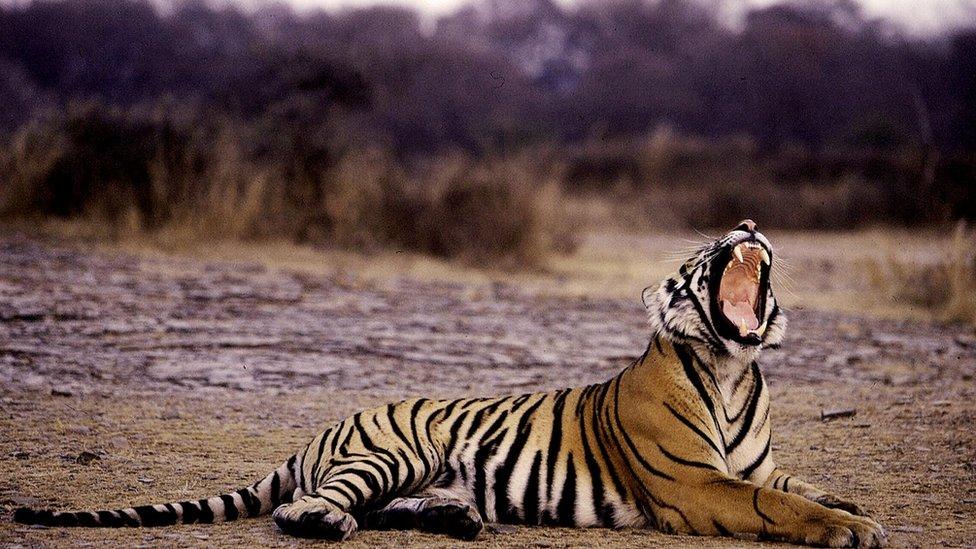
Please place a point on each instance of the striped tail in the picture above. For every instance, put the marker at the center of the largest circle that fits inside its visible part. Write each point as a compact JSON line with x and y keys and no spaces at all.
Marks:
{"x":261,"y":498}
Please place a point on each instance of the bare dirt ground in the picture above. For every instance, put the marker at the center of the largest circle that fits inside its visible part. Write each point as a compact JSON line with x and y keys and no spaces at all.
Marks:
{"x":138,"y":378}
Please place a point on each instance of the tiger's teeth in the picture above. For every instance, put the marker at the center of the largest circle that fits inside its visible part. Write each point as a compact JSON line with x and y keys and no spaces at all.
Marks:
{"x":743,"y":330}
{"x":761,"y":329}
{"x":765,"y":256}
{"x":738,"y":254}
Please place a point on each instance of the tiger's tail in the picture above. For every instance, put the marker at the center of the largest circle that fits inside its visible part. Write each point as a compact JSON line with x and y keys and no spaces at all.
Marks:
{"x":258,"y":499}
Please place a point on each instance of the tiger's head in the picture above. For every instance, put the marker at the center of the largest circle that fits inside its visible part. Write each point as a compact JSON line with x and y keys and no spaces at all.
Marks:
{"x":721,"y":298}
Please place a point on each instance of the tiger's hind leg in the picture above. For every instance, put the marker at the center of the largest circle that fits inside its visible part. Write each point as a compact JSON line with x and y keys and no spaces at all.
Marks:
{"x":315,"y":516}
{"x":353,"y":486}
{"x":436,"y":515}
{"x":324,"y":513}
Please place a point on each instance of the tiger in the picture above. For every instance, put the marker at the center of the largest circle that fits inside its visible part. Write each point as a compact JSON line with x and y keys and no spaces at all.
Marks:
{"x":679,"y":441}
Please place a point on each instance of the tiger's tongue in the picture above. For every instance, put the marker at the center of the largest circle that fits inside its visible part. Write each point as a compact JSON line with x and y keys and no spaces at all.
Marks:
{"x":738,"y":292}
{"x":740,"y":313}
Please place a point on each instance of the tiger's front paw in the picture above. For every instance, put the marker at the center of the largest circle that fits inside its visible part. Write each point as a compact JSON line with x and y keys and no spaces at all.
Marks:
{"x":315,"y":518}
{"x":839,"y":528}
{"x":833,"y":502}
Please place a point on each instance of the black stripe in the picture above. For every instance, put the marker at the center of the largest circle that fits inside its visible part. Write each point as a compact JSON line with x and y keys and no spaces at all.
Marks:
{"x":693,"y":427}
{"x":129,"y":520}
{"x":169,"y":507}
{"x":504,"y":511}
{"x":786,"y":484}
{"x":356,"y":493}
{"x":486,"y":449}
{"x":555,"y":441}
{"x":318,"y":495}
{"x":391,"y":415}
{"x":772,"y":316}
{"x":755,"y":507}
{"x":750,"y":411}
{"x":108,"y":518}
{"x":191,"y":513}
{"x":581,"y":401}
{"x":230,"y":507}
{"x":479,"y":418}
{"x":530,"y":501}
{"x":747,"y":472}
{"x":275,"y":489}
{"x":427,"y":433}
{"x":300,"y":469}
{"x":416,"y":435}
{"x":611,"y":469}
{"x":408,"y":479}
{"x":687,"y":462}
{"x":206,"y":513}
{"x":566,"y":508}
{"x":377,"y":480}
{"x":630,"y":443}
{"x":596,"y":478}
{"x":449,"y":409}
{"x":251,"y":503}
{"x":318,"y":456}
{"x":368,"y":479}
{"x":378,"y":453}
{"x":687,"y":360}
{"x":740,"y":379}
{"x":342,"y":448}
{"x":150,"y":516}
{"x":745,"y":405}
{"x":453,"y":437}
{"x":291,"y":470}
{"x":339,"y":487}
{"x":519,"y":402}
{"x":712,"y":335}
{"x":334,"y":445}
{"x":87,"y":519}
{"x":446,"y":478}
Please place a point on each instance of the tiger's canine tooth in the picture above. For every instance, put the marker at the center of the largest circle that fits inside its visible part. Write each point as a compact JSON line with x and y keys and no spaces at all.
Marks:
{"x":743,"y":330}
{"x":738,"y":253}
{"x":761,"y":329}
{"x":765,"y":256}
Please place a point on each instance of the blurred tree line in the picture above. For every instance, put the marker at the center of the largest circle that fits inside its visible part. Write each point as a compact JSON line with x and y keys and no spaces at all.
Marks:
{"x":808,"y":89}
{"x":507,"y":72}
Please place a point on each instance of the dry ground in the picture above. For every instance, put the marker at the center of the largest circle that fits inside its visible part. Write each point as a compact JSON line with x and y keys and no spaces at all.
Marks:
{"x":190,"y":375}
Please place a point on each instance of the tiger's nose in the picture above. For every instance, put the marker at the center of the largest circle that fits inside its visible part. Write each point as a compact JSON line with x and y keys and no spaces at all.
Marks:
{"x":747,"y":225}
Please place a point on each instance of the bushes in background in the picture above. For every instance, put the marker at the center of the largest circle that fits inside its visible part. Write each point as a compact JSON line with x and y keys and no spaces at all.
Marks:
{"x":136,"y":171}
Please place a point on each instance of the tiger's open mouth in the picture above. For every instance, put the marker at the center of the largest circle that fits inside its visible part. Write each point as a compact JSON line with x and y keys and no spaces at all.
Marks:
{"x":739,"y":294}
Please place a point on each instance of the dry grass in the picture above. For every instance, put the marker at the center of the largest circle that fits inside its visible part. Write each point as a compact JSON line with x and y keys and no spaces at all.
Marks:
{"x":669,"y":180}
{"x":945,"y":286}
{"x":154,"y":175}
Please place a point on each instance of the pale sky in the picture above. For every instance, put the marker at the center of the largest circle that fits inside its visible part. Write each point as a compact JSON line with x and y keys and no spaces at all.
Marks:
{"x":919,"y":17}
{"x":915,"y":16}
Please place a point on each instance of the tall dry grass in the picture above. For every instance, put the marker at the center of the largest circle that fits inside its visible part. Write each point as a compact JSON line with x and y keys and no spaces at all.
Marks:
{"x":158,"y":173}
{"x":961,"y":304}
{"x":669,"y":180}
{"x":945,"y":287}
